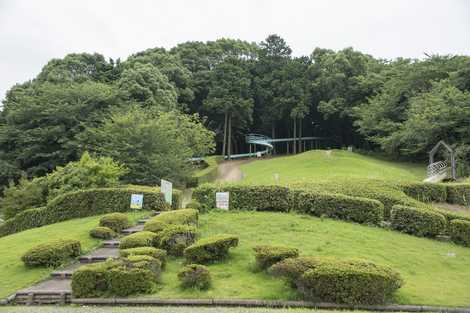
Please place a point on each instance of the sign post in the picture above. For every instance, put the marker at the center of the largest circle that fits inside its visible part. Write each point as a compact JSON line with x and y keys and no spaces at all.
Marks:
{"x":222,"y":200}
{"x":137,"y":201}
{"x":166,"y":188}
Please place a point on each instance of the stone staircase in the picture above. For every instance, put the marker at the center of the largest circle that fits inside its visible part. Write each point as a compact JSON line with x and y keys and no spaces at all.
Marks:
{"x":57,"y":289}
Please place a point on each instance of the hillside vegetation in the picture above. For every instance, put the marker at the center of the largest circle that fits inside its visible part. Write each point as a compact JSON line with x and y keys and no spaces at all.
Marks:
{"x":323,"y":165}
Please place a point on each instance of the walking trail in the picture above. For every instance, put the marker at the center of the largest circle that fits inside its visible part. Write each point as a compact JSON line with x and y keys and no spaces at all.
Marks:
{"x":229,"y":171}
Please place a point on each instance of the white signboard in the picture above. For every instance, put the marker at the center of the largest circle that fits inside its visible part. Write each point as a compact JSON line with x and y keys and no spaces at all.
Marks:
{"x":222,"y":200}
{"x":166,"y":188}
{"x":258,"y":154}
{"x":137,"y":201}
{"x":276,"y":177}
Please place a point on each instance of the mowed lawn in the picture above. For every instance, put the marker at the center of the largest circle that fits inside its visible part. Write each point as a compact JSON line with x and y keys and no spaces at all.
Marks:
{"x":320,"y":164}
{"x":14,"y":275}
{"x":435,"y":272}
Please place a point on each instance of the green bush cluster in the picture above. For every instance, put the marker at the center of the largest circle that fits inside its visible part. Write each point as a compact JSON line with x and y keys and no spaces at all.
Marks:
{"x":194,"y":205}
{"x":53,"y":253}
{"x":182,"y":216}
{"x":25,"y":195}
{"x":122,"y":277}
{"x":340,"y":281}
{"x":175,"y":238}
{"x":459,"y":231}
{"x":266,"y":256}
{"x":101,"y":232}
{"x":195,"y":276}
{"x":417,"y":221}
{"x":352,"y":282}
{"x":425,"y":192}
{"x":116,"y":221}
{"x":258,"y":198}
{"x":140,"y":239}
{"x":359,"y":210}
{"x":85,"y":203}
{"x":210,"y":249}
{"x":158,"y":254}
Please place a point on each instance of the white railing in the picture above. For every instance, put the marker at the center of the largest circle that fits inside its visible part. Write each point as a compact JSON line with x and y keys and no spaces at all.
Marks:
{"x":437,"y":168}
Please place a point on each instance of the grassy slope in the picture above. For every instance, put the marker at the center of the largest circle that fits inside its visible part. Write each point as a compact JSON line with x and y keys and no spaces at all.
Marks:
{"x":14,"y":275}
{"x":432,"y":274}
{"x":317,"y":165}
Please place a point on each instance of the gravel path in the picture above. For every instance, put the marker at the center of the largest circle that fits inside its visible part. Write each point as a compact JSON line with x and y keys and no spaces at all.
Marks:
{"x":229,"y":171}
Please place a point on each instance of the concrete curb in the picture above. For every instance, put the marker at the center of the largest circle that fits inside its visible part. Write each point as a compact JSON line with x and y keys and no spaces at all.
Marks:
{"x":8,"y":299}
{"x":268,"y":304}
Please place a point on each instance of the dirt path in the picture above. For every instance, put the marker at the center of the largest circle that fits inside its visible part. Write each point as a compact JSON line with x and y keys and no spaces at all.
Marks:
{"x":229,"y":171}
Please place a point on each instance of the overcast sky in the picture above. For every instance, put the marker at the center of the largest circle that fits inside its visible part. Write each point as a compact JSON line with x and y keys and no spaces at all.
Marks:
{"x":33,"y":32}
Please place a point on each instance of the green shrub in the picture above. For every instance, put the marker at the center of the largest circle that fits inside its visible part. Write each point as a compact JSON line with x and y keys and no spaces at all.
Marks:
{"x":115,"y":221}
{"x":86,"y":203}
{"x":52,"y":253}
{"x":426,"y":192}
{"x":266,"y":256}
{"x":419,"y":222}
{"x":210,"y":249}
{"x":182,"y":216}
{"x":360,"y":210}
{"x":101,"y":232}
{"x":458,"y":194}
{"x":89,"y":281}
{"x":123,"y":282}
{"x":175,"y":238}
{"x":350,"y":282}
{"x":259,"y":198}
{"x":140,"y":239}
{"x":122,"y":277}
{"x":292,"y":268}
{"x":155,"y":226}
{"x":27,"y":194}
{"x":459,"y":231}
{"x":194,"y":205}
{"x":195,"y":276}
{"x":158,"y":254}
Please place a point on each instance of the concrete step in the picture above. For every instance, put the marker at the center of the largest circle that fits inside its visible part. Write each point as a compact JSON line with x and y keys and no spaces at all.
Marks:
{"x":155,"y":213}
{"x":66,"y":272}
{"x":133,"y":229}
{"x":53,"y":291}
{"x":100,"y":255}
{"x":142,"y":221}
{"x":110,"y":244}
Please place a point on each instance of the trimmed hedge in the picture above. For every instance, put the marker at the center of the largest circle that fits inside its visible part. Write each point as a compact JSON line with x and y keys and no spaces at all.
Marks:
{"x":352,"y":282}
{"x":419,"y":222}
{"x":210,"y":249}
{"x":258,"y":198}
{"x":182,"y":216}
{"x":53,"y":253}
{"x":140,"y":239}
{"x":158,"y":254}
{"x":115,"y":221}
{"x":175,"y":238}
{"x":122,"y":277}
{"x":292,"y":268}
{"x":426,"y":192}
{"x":266,"y":256}
{"x":459,"y":231}
{"x":194,"y":205}
{"x":195,"y":276}
{"x":359,"y":210}
{"x":101,"y":232}
{"x":458,"y":194}
{"x":87,"y":203}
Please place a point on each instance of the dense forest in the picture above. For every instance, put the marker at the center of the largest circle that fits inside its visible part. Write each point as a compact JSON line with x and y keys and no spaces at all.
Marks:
{"x":160,"y":107}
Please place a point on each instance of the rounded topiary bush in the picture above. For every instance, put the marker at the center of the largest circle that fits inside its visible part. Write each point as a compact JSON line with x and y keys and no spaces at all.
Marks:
{"x":182,"y":216}
{"x":459,"y":231}
{"x":53,"y":253}
{"x":101,"y":232}
{"x":195,"y":276}
{"x":210,"y":249}
{"x":292,"y":268}
{"x":194,"y":205}
{"x":115,"y":221}
{"x":418,"y":222}
{"x":145,"y":262}
{"x":140,"y":239}
{"x":266,"y":256}
{"x":158,"y":254}
{"x":350,"y":282}
{"x":155,"y":226}
{"x":123,"y":282}
{"x":175,"y":238}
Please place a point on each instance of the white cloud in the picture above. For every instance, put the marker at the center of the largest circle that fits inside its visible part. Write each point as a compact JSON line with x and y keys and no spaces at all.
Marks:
{"x":33,"y":32}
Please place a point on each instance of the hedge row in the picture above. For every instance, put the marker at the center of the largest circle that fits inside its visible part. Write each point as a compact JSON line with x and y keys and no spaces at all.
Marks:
{"x":340,"y":281}
{"x":459,"y":231}
{"x":456,"y":193}
{"x":418,"y":222}
{"x":53,"y":253}
{"x":85,"y":203}
{"x":122,"y":277}
{"x":277,"y":198}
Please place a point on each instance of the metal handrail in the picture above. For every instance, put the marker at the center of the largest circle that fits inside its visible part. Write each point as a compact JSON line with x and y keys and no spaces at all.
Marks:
{"x":437,"y":168}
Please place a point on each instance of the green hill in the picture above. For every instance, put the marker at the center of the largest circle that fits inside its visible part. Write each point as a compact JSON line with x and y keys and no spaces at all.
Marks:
{"x":322,"y":165}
